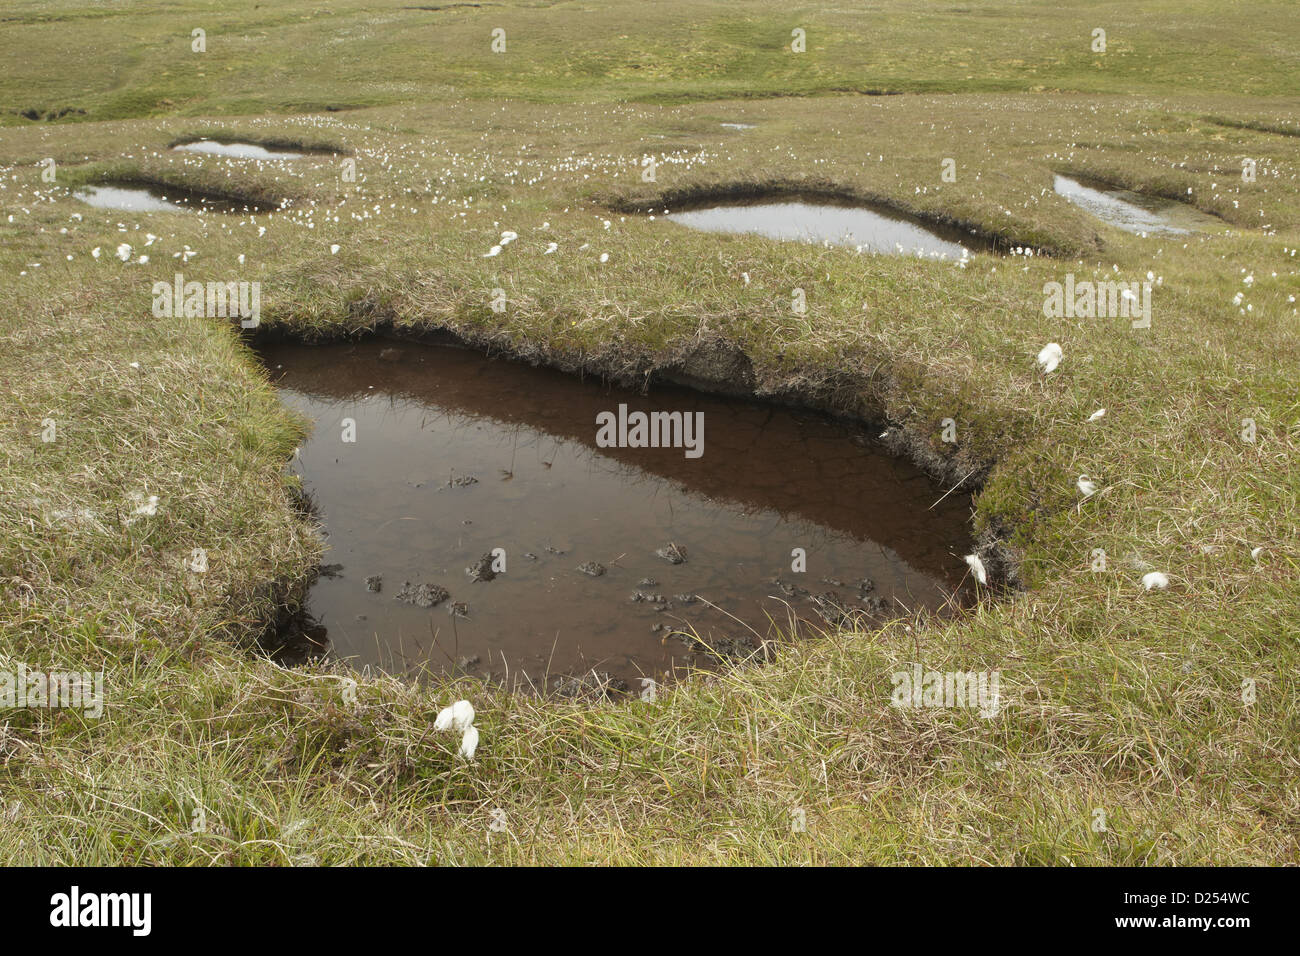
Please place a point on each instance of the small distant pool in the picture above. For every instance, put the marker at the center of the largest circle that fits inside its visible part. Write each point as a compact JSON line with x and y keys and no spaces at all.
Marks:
{"x":1134,"y":212}
{"x":158,"y":199}
{"x":237,"y":150}
{"x":866,"y":228}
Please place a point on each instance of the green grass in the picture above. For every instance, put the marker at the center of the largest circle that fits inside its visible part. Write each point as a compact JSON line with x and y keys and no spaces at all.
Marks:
{"x":1114,"y":698}
{"x":136,"y":60}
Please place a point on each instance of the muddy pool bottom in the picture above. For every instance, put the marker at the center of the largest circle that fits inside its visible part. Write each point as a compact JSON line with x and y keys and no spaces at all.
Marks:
{"x":477,"y":523}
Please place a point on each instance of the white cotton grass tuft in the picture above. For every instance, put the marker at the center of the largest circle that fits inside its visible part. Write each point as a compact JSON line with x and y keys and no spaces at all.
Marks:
{"x":1099,"y":413}
{"x":124,"y":252}
{"x":1050,"y":357}
{"x":977,"y":568}
{"x":462,"y":715}
{"x":494,"y":251}
{"x":145,"y":506}
{"x":456,"y":717}
{"x":1154,"y":580}
{"x":334,"y":249}
{"x":1087,"y":487}
{"x":469,"y":742}
{"x":459,"y":717}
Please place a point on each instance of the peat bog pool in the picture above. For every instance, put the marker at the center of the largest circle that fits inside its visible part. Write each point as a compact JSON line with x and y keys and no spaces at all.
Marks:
{"x":868,"y":228}
{"x":235,"y":148}
{"x":241,"y":150}
{"x":609,"y":552}
{"x":136,"y":198}
{"x":1134,"y":212}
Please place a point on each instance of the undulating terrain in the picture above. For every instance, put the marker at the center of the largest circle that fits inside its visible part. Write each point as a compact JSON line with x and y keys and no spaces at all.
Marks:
{"x":1137,"y":725}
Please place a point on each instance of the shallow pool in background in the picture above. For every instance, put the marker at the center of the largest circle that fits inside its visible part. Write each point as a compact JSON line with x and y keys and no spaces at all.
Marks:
{"x":236,"y":150}
{"x":130,"y":198}
{"x":1135,"y":212}
{"x":871,"y":229}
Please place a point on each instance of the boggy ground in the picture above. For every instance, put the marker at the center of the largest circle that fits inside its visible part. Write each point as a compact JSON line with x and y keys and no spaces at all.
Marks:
{"x":1113,"y":698}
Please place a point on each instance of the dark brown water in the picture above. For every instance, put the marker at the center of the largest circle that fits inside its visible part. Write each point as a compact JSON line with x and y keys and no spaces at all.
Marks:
{"x":399,"y":503}
{"x":815,"y":219}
